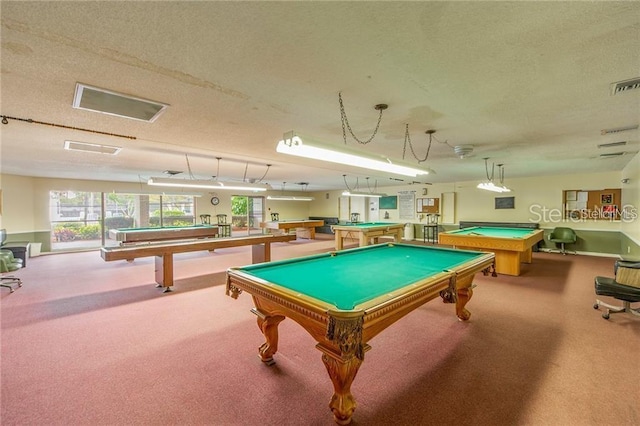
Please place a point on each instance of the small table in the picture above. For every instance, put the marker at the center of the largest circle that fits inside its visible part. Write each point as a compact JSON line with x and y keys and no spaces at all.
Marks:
{"x":430,"y":233}
{"x":343,"y":308}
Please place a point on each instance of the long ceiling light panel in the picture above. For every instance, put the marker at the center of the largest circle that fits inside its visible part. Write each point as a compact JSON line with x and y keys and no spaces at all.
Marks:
{"x":293,"y":145}
{"x":207,"y":184}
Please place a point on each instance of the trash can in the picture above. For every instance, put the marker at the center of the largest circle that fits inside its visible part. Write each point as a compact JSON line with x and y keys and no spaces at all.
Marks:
{"x":408,"y":231}
{"x":34,"y":249}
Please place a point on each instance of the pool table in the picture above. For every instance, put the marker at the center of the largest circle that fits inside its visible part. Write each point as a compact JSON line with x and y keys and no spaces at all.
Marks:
{"x":366,"y":232}
{"x":303,"y":228}
{"x":165,"y":233}
{"x":511,"y":246}
{"x":343,"y":299}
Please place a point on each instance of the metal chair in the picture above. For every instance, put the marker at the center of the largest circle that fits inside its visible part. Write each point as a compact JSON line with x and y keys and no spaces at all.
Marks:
{"x":563,"y":236}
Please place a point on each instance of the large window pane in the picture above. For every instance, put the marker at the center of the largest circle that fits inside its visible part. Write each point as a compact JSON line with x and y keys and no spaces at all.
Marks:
{"x":76,"y":219}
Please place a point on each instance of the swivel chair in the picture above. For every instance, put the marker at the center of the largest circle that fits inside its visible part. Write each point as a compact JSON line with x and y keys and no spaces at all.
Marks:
{"x":563,"y":236}
{"x":9,"y":264}
{"x":625,"y":287}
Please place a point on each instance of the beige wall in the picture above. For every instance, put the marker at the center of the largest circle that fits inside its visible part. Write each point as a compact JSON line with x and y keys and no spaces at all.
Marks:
{"x":25,"y":200}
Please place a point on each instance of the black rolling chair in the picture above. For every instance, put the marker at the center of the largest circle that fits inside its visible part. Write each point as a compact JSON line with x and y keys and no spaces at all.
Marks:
{"x":625,"y":287}
{"x":563,"y":236}
{"x":9,"y":264}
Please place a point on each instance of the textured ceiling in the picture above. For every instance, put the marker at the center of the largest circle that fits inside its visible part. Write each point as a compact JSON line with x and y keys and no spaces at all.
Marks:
{"x":528,"y":84}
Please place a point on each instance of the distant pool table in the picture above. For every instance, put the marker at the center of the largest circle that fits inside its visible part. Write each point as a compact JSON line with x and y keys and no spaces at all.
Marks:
{"x":166,"y":233}
{"x":343,"y":299}
{"x":304,"y":228}
{"x":511,"y":246}
{"x":367,"y":232}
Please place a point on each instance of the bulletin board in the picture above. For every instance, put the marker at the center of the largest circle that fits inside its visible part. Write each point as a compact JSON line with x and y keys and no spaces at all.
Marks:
{"x":602,"y":204}
{"x":428,"y":205}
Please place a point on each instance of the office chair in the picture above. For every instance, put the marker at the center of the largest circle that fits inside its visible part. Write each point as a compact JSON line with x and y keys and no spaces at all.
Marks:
{"x":9,"y":264}
{"x":625,"y":287}
{"x":563,"y":236}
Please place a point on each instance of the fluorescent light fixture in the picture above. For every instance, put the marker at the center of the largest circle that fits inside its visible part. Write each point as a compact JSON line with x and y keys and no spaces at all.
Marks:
{"x":490,"y":186}
{"x":289,"y":198}
{"x":207,"y":184}
{"x":363,"y":194}
{"x":91,"y":147}
{"x":293,"y":145}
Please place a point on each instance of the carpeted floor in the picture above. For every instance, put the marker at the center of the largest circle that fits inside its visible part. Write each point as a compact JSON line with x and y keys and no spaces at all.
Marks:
{"x":88,"y":342}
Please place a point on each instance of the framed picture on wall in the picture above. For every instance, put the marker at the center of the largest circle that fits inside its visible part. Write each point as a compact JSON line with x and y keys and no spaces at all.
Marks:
{"x":606,"y":199}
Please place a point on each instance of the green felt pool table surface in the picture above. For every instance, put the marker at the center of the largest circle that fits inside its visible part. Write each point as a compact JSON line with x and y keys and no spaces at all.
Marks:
{"x":348,"y":278}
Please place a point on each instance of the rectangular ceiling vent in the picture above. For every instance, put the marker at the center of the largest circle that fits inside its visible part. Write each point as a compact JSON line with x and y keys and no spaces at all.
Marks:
{"x":91,"y":147}
{"x":625,"y":86}
{"x":612,"y":144}
{"x":618,"y":130}
{"x":612,"y":154}
{"x":104,"y":101}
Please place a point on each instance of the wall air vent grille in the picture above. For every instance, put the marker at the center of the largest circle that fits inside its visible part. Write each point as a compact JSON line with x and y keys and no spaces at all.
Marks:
{"x":612,"y":144}
{"x":618,"y":130}
{"x":625,"y":86}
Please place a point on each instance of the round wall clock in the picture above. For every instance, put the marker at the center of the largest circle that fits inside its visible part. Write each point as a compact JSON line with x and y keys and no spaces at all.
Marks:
{"x":215,"y":201}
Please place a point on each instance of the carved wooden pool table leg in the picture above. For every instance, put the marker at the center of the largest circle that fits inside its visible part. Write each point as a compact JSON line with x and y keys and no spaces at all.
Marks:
{"x":268,"y":324}
{"x":342,"y":372}
{"x":464,"y":295}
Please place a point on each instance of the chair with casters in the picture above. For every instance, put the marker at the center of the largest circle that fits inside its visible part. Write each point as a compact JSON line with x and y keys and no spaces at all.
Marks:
{"x":9,"y":264}
{"x":625,"y":287}
{"x":563,"y":236}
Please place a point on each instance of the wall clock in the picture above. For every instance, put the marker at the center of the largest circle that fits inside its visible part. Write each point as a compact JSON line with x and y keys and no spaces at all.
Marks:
{"x":215,"y":201}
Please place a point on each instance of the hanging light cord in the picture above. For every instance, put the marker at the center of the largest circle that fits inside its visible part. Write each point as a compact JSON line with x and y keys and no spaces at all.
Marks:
{"x":346,"y":125}
{"x":486,"y":169}
{"x":407,"y":140}
{"x":5,"y":119}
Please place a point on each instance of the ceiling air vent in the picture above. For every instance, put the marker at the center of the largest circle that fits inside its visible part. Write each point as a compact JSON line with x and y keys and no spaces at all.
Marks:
{"x":625,"y":86}
{"x":91,"y":147}
{"x":463,"y":151}
{"x":618,"y":130}
{"x":100,"y":100}
{"x":612,"y":144}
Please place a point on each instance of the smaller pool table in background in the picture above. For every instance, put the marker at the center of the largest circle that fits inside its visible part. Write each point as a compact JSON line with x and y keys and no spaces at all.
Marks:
{"x":154,"y":234}
{"x":511,"y":246}
{"x":367,"y":232}
{"x":303,"y":228}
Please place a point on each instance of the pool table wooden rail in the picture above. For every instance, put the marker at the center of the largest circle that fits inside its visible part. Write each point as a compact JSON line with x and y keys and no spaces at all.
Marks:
{"x":260,"y":252}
